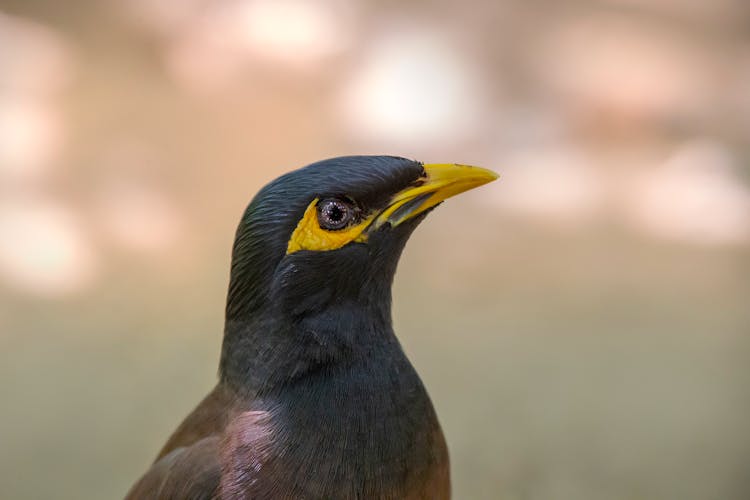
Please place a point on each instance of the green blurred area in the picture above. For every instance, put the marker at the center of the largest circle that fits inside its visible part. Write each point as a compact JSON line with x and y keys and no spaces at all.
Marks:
{"x":572,"y":352}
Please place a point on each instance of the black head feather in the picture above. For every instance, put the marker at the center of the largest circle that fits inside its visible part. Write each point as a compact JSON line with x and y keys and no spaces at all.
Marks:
{"x":264,"y":231}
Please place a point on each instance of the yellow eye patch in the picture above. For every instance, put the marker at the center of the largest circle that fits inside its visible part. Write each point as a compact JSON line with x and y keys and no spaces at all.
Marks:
{"x":310,"y":236}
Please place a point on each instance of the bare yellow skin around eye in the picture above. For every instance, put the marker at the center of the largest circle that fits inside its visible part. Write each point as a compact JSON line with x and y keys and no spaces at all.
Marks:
{"x":310,"y":236}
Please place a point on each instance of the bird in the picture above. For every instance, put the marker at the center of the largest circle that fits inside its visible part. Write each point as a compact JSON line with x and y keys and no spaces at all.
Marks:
{"x":316,"y":398}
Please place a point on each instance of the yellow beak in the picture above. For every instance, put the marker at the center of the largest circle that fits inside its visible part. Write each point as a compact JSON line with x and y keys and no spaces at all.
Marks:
{"x":441,"y":181}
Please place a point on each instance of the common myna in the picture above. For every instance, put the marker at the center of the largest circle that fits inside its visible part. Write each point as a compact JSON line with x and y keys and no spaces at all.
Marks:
{"x":316,"y":398}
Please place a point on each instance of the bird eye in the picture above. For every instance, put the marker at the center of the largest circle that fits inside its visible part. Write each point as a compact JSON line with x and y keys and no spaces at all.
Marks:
{"x":334,"y":214}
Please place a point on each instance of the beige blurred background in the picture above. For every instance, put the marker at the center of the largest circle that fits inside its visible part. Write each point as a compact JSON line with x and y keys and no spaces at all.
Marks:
{"x":582,"y":325}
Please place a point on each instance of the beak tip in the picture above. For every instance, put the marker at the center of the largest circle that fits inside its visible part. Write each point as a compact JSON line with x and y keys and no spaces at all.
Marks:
{"x":481,"y":172}
{"x":484,"y":175}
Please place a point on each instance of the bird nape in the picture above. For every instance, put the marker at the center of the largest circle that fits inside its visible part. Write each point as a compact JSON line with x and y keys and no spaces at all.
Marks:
{"x":316,"y":399}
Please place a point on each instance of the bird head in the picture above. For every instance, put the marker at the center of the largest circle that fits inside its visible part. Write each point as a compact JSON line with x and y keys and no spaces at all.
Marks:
{"x":333,"y":231}
{"x":318,"y":247}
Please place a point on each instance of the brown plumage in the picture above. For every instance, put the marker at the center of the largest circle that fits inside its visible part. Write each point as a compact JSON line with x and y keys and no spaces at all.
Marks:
{"x":219,"y":442}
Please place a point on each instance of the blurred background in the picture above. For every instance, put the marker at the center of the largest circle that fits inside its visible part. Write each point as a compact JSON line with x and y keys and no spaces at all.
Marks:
{"x":582,"y":325}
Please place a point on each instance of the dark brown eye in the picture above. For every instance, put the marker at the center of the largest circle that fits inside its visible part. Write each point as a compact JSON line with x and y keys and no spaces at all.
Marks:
{"x":334,"y":214}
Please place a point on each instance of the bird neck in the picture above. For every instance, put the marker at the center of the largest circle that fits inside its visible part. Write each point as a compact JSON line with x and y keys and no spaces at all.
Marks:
{"x":271,"y":350}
